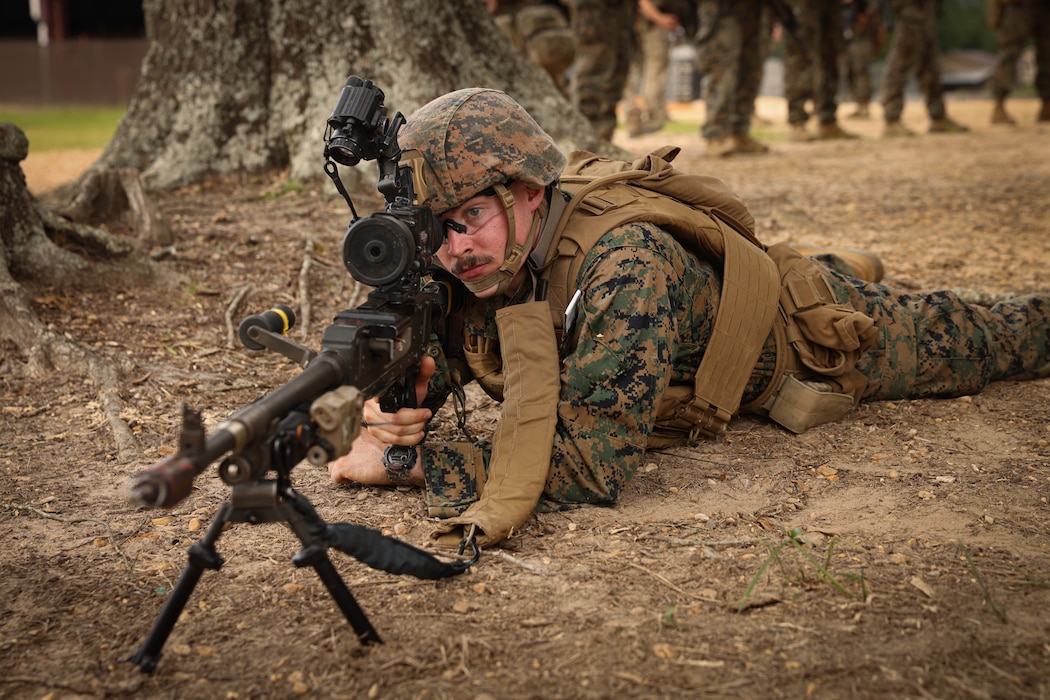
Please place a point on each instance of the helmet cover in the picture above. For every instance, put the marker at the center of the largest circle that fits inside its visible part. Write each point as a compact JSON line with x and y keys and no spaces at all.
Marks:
{"x":473,"y":139}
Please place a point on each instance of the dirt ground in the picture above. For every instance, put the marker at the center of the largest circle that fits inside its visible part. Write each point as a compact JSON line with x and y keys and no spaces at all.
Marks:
{"x":902,"y":552}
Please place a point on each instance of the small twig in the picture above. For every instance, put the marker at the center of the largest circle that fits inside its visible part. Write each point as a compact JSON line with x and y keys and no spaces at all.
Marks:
{"x":29,"y":680}
{"x":26,"y":412}
{"x":355,"y":292}
{"x":231,"y":334}
{"x":992,"y":605}
{"x":681,"y":542}
{"x":232,"y":387}
{"x":73,"y":521}
{"x":304,"y":290}
{"x":670,"y":585}
{"x":499,"y":553}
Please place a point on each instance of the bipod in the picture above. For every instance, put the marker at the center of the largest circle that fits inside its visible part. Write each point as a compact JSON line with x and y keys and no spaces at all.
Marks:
{"x":256,"y":502}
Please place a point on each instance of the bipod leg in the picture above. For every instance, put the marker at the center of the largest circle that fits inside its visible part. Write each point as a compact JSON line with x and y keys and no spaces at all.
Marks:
{"x":315,"y":554}
{"x":202,"y":555}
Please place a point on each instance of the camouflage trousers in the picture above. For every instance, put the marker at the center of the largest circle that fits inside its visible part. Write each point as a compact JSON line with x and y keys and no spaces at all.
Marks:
{"x":645,"y":92}
{"x":934,"y":344}
{"x":811,"y":61}
{"x":730,"y":58}
{"x":857,"y":57}
{"x":604,"y":34}
{"x":1041,"y":37}
{"x":913,"y":49}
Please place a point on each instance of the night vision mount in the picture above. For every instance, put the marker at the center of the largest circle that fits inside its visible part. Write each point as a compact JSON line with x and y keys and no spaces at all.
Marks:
{"x":391,"y":248}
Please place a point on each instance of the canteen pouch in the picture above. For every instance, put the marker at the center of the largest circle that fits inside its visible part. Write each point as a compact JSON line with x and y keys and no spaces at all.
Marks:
{"x":800,"y":405}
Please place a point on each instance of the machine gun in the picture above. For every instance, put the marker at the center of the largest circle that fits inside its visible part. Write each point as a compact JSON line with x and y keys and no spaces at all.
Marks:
{"x":373,"y":350}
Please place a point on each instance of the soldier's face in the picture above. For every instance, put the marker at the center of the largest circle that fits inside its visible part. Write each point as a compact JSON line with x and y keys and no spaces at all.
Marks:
{"x":482,"y":247}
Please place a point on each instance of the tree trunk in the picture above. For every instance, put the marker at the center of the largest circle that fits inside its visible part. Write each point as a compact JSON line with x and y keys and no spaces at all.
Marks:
{"x":37,"y":244}
{"x":232,"y":85}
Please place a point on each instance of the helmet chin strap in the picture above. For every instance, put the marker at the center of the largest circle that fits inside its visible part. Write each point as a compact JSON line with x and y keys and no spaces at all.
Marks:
{"x":514,"y":255}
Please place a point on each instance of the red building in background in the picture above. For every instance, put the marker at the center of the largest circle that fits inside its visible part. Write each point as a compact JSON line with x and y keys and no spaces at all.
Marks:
{"x":70,"y":51}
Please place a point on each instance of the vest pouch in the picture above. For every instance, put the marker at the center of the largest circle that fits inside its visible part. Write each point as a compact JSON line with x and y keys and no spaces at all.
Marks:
{"x":826,"y":338}
{"x":672,"y":424}
{"x":800,"y":405}
{"x":483,"y":359}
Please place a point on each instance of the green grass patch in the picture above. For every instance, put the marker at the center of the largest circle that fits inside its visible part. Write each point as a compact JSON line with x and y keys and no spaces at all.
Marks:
{"x":55,"y":129}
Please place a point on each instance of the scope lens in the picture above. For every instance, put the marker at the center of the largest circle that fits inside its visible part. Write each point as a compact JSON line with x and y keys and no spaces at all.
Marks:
{"x":378,"y":249}
{"x":343,"y":150}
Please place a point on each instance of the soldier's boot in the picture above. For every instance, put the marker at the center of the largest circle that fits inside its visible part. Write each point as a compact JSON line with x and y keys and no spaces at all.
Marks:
{"x":798,"y":134}
{"x":745,"y":144}
{"x":720,"y":148}
{"x":894,"y":129}
{"x":947,"y":125}
{"x":833,"y":131}
{"x":999,"y":114}
{"x":864,"y":265}
{"x":633,"y":119}
{"x":1044,"y":113}
{"x":861,"y":112}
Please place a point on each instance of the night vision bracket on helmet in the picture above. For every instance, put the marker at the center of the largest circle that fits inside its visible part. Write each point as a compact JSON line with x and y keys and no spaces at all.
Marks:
{"x":397,"y":245}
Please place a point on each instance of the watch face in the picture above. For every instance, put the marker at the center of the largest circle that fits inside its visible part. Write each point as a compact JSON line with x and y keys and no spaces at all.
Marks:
{"x":398,"y":461}
{"x":399,"y":457}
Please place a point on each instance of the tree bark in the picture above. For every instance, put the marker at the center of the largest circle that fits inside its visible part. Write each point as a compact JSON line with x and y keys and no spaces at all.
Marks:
{"x":242,"y":85}
{"x":37,"y":244}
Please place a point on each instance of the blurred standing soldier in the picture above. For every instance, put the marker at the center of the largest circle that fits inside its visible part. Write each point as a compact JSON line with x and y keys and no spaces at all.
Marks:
{"x":811,"y":68}
{"x":540,"y":30}
{"x":913,"y":49}
{"x":865,"y":34}
{"x":646,"y":94}
{"x":729,"y":55}
{"x":604,"y":34}
{"x":1015,"y":22}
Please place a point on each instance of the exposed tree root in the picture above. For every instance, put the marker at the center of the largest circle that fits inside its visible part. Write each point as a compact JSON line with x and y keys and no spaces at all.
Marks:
{"x":36,"y":243}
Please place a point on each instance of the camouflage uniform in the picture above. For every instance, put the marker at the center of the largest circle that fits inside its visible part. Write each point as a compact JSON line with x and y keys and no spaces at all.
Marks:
{"x":1017,"y":22}
{"x":646,"y":318}
{"x":1041,"y":36}
{"x":913,"y":48}
{"x":604,"y":33}
{"x":730,"y":59}
{"x":646,"y":87}
{"x":864,"y":36}
{"x":648,"y":314}
{"x":811,"y":61}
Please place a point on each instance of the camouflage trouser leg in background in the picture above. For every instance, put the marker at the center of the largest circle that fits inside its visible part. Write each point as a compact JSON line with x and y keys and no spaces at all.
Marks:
{"x":1011,"y":36}
{"x":934,"y":344}
{"x":811,"y":61}
{"x":859,"y":55}
{"x":1041,"y":36}
{"x":730,"y":59}
{"x":913,"y":48}
{"x":604,"y":34}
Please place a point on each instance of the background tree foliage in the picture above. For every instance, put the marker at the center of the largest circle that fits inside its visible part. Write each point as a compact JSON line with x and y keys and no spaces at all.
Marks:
{"x":963,"y":24}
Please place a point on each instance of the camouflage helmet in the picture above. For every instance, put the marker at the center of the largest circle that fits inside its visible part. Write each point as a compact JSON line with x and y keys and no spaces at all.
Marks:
{"x":473,"y":139}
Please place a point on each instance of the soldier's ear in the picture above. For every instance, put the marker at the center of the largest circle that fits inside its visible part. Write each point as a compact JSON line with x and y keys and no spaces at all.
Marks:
{"x":533,"y":197}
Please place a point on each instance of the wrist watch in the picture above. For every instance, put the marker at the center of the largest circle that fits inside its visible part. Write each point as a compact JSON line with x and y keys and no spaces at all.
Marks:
{"x":398,"y":461}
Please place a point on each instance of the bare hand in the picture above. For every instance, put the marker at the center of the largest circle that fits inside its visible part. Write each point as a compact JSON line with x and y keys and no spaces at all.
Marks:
{"x":364,"y":463}
{"x":408,"y":425}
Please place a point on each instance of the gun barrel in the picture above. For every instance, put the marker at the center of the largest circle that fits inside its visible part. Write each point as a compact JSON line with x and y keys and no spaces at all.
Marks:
{"x":170,"y":480}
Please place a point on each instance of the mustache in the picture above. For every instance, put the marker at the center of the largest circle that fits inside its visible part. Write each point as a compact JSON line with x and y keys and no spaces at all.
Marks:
{"x":470,"y":261}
